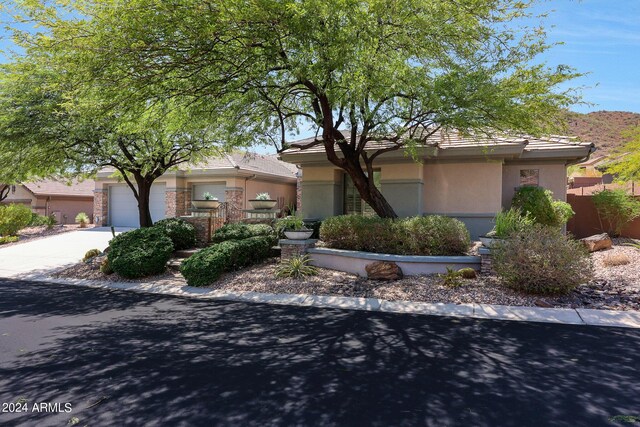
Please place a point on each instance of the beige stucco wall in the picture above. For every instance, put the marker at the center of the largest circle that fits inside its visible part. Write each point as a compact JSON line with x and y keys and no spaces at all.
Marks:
{"x":462,"y":187}
{"x":401,"y":171}
{"x":65,"y":210}
{"x":21,"y":195}
{"x":276,"y":190}
{"x":552,"y":176}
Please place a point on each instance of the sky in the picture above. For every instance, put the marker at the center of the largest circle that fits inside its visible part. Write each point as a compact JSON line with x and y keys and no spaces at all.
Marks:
{"x":600,"y":37}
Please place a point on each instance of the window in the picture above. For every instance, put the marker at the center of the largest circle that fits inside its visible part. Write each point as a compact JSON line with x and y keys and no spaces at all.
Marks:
{"x":529,"y":177}
{"x":353,"y":204}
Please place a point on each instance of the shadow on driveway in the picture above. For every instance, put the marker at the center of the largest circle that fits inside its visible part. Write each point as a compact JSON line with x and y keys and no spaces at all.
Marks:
{"x":123,"y":358}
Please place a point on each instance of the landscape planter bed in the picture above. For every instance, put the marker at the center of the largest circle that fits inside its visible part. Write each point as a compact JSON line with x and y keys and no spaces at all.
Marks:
{"x":355,"y":262}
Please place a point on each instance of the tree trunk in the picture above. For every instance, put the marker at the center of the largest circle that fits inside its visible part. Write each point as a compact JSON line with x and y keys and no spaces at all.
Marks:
{"x":366,"y":187}
{"x":144,"y":191}
{"x":4,"y":191}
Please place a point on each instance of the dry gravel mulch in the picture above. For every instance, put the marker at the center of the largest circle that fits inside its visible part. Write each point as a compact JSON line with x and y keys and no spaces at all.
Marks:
{"x":614,"y":288}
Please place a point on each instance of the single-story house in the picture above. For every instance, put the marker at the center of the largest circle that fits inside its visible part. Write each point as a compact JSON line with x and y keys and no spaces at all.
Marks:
{"x":63,"y":200}
{"x":469,"y":178}
{"x":233,"y":178}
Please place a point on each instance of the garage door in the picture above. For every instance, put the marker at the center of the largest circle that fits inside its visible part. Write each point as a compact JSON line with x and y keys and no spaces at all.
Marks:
{"x":123,"y":206}
{"x":216,"y":189}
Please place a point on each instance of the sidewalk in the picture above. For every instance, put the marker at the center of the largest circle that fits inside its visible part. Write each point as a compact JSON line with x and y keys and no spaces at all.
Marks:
{"x":580,"y":316}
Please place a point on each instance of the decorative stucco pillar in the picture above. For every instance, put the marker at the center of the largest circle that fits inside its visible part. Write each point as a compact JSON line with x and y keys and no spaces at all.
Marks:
{"x":234,"y":196}
{"x":175,"y":202}
{"x":100,"y":206}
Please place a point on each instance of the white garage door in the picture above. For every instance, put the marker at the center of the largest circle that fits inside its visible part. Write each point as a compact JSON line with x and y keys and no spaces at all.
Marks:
{"x":123,"y":206}
{"x":216,"y":189}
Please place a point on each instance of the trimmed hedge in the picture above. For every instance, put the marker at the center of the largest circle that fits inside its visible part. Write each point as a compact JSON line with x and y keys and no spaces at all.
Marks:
{"x":181,"y":233}
{"x":14,"y":218}
{"x":206,"y":266}
{"x":542,"y":260}
{"x":428,"y":235}
{"x":239,"y":231}
{"x":140,"y":253}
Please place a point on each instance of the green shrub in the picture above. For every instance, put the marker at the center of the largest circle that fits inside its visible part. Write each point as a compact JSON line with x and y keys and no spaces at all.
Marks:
{"x":41,"y":220}
{"x":511,"y":221}
{"x":538,"y":202}
{"x":296,"y":267}
{"x":181,"y":233}
{"x":205,"y":266}
{"x":239,"y":231}
{"x":91,"y":253}
{"x":14,"y":218}
{"x":8,"y":239}
{"x":290,"y":222}
{"x":140,"y":253}
{"x":542,"y":260}
{"x":617,"y":207}
{"x":428,"y":235}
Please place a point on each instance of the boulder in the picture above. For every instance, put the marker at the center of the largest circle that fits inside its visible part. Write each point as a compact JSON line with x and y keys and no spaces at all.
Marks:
{"x":597,"y":242}
{"x":383,"y":270}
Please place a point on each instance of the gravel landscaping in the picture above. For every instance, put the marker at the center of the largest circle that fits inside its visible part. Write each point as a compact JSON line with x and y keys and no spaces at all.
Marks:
{"x":613,"y":288}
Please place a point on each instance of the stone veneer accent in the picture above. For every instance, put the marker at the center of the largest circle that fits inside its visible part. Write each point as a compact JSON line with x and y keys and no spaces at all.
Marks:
{"x":234,"y":196}
{"x":486,"y":263}
{"x":299,"y":191}
{"x":290,"y":248}
{"x":100,"y":206}
{"x":175,"y":202}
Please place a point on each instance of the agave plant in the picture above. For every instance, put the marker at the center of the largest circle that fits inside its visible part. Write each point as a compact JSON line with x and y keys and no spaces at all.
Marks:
{"x":263,"y":196}
{"x":296,"y":267}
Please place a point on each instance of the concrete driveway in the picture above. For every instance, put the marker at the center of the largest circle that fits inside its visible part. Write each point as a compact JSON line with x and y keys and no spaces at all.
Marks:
{"x":31,"y":259}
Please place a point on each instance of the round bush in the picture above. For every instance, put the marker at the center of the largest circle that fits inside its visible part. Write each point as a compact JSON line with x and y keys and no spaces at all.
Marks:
{"x":539,"y":203}
{"x":140,"y":253}
{"x":14,"y":218}
{"x":542,"y":260}
{"x":181,"y":233}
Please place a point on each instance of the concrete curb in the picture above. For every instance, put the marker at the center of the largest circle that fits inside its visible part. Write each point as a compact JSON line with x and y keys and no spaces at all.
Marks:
{"x":570,"y":316}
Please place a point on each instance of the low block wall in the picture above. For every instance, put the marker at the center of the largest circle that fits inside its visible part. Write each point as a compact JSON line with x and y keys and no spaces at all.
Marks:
{"x":355,"y":262}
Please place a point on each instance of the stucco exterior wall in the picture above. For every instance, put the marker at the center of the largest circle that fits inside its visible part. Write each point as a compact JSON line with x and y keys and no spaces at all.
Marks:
{"x":66,"y":209}
{"x":286,"y":191}
{"x":21,"y":195}
{"x":552,"y":176}
{"x":472,"y":188}
{"x":321,"y":192}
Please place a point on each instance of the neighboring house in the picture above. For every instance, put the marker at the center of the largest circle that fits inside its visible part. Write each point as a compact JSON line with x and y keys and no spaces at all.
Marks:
{"x":234,"y":178}
{"x":469,"y":179}
{"x":51,"y":197}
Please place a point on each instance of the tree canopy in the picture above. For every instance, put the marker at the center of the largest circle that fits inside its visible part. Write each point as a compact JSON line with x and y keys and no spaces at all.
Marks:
{"x":354,"y":72}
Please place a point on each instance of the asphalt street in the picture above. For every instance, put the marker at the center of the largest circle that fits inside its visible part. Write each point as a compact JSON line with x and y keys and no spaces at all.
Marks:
{"x":82,"y":356}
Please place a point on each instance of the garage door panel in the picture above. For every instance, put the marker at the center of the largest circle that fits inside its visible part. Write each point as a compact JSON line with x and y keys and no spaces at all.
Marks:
{"x":123,"y":206}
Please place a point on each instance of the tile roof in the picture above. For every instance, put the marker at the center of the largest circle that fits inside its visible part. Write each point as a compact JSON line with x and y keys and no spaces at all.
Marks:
{"x":452,"y":139}
{"x":51,"y":187}
{"x":252,"y":162}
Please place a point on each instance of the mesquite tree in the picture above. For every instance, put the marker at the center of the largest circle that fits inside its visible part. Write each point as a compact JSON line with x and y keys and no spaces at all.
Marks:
{"x":357,"y":73}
